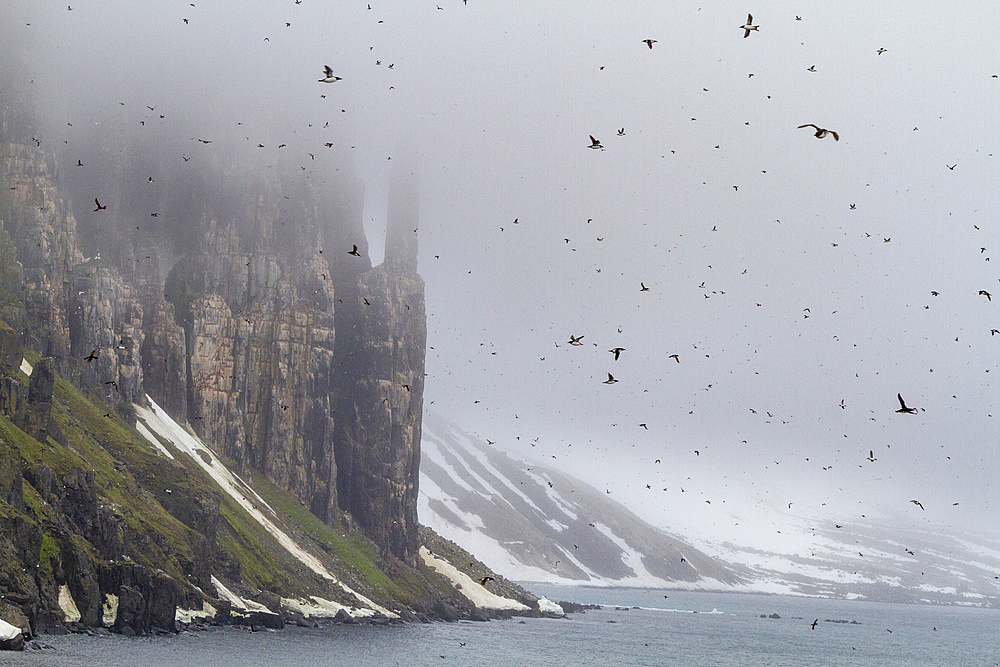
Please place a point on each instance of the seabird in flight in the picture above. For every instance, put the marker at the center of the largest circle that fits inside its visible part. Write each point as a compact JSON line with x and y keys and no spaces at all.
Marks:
{"x":747,"y":27}
{"x":595,"y":143}
{"x":99,"y":207}
{"x":611,"y":379}
{"x":649,"y":42}
{"x":903,"y":408}
{"x":354,"y":251}
{"x":821,"y":132}
{"x":616,"y":351}
{"x":329,"y":78}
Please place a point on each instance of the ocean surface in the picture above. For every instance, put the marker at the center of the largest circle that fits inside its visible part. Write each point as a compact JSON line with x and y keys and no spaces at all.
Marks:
{"x":638,"y":627}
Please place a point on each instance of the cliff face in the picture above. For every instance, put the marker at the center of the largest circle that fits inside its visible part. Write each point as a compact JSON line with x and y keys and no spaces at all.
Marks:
{"x":289,"y":356}
{"x":378,"y":447}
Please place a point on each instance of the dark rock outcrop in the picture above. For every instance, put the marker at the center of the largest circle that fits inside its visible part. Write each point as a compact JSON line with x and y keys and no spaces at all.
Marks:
{"x":378,"y":448}
{"x":40,"y":387}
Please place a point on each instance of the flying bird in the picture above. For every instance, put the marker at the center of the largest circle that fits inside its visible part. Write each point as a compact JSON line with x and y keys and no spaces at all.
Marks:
{"x":611,"y":379}
{"x":329,"y":78}
{"x":482,"y":582}
{"x":90,"y":357}
{"x":747,"y":27}
{"x":951,"y":166}
{"x":642,"y":287}
{"x":616,"y":351}
{"x":675,"y":357}
{"x":354,"y":251}
{"x":983,"y":292}
{"x":881,"y":51}
{"x":99,"y":207}
{"x":917,"y":503}
{"x":871,"y":456}
{"x":821,"y":132}
{"x":595,"y":143}
{"x":814,"y":623}
{"x":903,"y":408}
{"x":649,"y":42}
{"x":621,"y":132}
{"x":575,"y":340}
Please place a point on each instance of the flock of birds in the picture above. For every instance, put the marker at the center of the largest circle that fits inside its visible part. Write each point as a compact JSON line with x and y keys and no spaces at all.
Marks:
{"x":575,"y":340}
{"x":819,"y":132}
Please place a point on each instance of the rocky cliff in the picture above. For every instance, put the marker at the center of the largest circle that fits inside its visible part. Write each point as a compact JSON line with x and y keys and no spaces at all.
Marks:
{"x":229,"y":296}
{"x":240,"y":333}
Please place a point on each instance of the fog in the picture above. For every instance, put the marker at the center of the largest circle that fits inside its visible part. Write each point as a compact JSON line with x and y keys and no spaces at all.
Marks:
{"x":793,"y":277}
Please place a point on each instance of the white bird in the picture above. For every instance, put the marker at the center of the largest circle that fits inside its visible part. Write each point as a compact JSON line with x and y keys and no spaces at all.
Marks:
{"x":329,"y":78}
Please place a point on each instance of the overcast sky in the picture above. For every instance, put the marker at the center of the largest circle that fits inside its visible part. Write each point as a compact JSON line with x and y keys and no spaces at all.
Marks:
{"x":792,"y":276}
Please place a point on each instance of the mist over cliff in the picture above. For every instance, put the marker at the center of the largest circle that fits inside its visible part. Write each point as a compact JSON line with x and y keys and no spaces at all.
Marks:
{"x":227,"y":277}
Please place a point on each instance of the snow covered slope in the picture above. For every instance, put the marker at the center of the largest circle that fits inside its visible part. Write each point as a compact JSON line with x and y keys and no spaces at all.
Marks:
{"x":158,"y":423}
{"x":533,"y":523}
{"x":530,"y":522}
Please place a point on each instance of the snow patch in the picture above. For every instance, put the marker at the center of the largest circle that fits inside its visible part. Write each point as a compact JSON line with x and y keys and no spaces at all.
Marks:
{"x":109,"y":609}
{"x":144,"y":432}
{"x":70,"y":612}
{"x":472,"y":590}
{"x":321,"y":608}
{"x":26,"y":367}
{"x":632,"y":559}
{"x":8,"y":631}
{"x":159,"y":422}
{"x":547,"y":606}
{"x":187,"y":616}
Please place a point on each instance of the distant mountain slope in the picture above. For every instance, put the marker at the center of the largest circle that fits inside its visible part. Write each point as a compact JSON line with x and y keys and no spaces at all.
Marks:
{"x":531,"y":522}
{"x":535,"y":523}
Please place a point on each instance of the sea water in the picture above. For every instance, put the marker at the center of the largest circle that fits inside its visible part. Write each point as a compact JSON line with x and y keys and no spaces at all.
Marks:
{"x":635,"y":627}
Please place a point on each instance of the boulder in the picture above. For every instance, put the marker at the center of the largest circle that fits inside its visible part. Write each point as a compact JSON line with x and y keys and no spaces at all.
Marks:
{"x":344,"y":617}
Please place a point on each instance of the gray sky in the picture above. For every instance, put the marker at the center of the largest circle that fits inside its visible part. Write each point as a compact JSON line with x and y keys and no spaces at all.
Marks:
{"x":501,"y":98}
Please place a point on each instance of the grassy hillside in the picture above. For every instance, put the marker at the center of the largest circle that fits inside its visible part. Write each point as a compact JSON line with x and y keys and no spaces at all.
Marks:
{"x":96,"y":500}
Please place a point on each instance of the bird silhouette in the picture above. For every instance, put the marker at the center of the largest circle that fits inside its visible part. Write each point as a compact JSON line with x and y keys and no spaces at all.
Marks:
{"x":616,"y":351}
{"x":611,"y":379}
{"x":747,"y":27}
{"x":329,"y":78}
{"x":642,"y":287}
{"x":595,"y":143}
{"x":903,"y":408}
{"x":354,"y":251}
{"x":917,"y":503}
{"x":675,"y":357}
{"x":821,"y":132}
{"x":871,"y":456}
{"x":482,"y":582}
{"x":814,"y":623}
{"x":649,"y":42}
{"x":575,"y":340}
{"x":99,"y":207}
{"x":90,"y":357}
{"x":983,"y":292}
